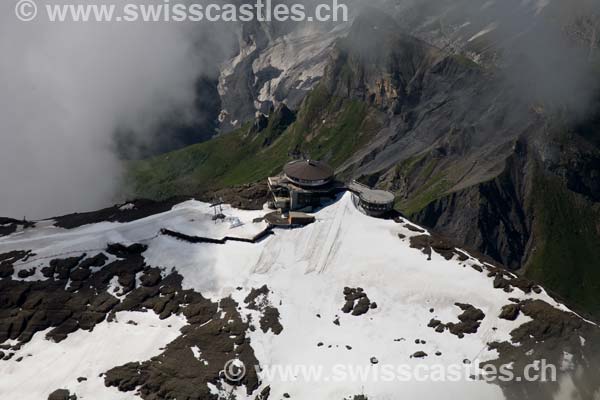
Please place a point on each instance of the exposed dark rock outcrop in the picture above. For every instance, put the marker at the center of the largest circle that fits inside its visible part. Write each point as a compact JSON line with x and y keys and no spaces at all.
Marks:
{"x":508,"y":281}
{"x":260,"y":124}
{"x":26,"y":273}
{"x":250,"y":197}
{"x":246,"y":197}
{"x":264,"y":394}
{"x":77,"y":296}
{"x":469,"y":321}
{"x":443,"y":247}
{"x":258,"y":300}
{"x":550,"y":335}
{"x":62,"y":394}
{"x":176,"y":373}
{"x":9,"y":225}
{"x":67,"y":301}
{"x":7,"y":261}
{"x":357,"y":301}
{"x":510,"y":312}
{"x":74,"y":297}
{"x":127,"y":212}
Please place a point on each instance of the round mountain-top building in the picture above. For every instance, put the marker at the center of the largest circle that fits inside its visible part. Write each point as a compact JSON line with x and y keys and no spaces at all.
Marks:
{"x":302,"y":185}
{"x":308,"y":173}
{"x":373,"y":202}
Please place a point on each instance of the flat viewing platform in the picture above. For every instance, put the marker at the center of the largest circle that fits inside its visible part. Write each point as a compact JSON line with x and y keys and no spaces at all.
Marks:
{"x":372,"y":196}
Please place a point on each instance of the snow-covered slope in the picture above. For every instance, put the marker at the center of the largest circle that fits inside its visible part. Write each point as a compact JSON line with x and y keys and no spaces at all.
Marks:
{"x":418,"y":302}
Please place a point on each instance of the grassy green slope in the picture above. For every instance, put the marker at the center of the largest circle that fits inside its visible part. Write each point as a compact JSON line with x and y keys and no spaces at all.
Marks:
{"x":326,"y":127}
{"x":433,"y":183}
{"x":566,"y":257}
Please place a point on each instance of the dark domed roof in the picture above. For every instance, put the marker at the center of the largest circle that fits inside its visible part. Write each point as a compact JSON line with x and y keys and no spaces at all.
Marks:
{"x":308,"y":170}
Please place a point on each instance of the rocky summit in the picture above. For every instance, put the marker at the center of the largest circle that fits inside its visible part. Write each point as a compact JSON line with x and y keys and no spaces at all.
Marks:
{"x":130,"y":310}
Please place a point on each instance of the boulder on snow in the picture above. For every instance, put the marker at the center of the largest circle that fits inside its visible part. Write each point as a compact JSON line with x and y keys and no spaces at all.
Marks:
{"x":510,"y":312}
{"x":62,"y":394}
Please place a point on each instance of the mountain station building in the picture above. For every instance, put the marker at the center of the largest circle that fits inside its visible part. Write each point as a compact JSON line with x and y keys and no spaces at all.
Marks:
{"x":303,"y":184}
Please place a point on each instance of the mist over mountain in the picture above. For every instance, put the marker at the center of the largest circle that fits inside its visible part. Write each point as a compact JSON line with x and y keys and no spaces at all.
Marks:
{"x":68,"y":88}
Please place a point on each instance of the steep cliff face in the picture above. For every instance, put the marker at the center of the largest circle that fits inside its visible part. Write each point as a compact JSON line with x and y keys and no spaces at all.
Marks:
{"x":438,"y":105}
{"x":537,"y":216}
{"x":276,"y":64}
{"x":492,"y":216}
{"x":378,"y":65}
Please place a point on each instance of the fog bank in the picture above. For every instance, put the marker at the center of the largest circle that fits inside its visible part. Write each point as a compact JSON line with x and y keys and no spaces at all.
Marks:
{"x":66,"y":88}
